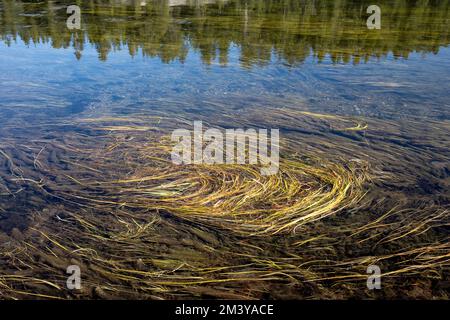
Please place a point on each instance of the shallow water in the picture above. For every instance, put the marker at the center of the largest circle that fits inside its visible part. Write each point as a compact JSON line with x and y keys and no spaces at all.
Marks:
{"x":310,"y":68}
{"x":315,"y":56}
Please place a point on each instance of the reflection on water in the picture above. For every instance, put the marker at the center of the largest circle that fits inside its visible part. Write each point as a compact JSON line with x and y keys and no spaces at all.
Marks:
{"x":365,"y":146}
{"x":277,"y":42}
{"x":263,"y":30}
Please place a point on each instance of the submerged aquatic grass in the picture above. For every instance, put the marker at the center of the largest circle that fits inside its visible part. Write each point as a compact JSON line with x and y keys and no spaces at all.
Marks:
{"x":140,"y":226}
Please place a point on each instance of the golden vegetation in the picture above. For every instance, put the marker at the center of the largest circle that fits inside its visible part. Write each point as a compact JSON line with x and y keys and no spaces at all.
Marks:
{"x":141,"y":227}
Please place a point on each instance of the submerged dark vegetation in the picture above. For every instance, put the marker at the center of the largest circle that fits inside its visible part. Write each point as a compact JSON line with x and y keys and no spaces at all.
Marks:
{"x":98,"y":189}
{"x":106,"y":197}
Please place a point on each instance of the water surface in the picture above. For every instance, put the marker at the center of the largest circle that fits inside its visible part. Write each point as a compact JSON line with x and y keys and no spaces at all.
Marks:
{"x":310,"y":68}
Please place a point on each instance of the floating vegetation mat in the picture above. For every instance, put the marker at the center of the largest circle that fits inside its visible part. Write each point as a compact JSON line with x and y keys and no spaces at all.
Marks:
{"x":107,"y":197}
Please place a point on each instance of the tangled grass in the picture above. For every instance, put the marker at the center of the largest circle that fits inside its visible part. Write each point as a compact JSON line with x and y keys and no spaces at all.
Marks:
{"x":236,"y":197}
{"x":142,"y":227}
